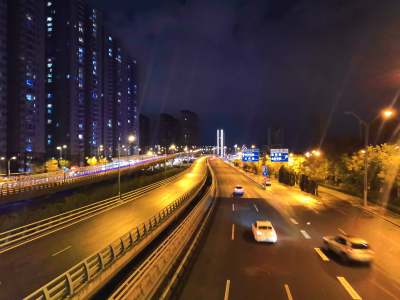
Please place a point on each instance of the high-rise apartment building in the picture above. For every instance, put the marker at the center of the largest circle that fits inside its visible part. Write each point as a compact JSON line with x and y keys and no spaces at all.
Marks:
{"x":119,"y":97}
{"x":74,"y":47}
{"x":3,"y":77}
{"x":108,"y":95}
{"x":132,"y":105}
{"x":25,"y":72}
{"x":94,"y":84}
{"x":63,"y":81}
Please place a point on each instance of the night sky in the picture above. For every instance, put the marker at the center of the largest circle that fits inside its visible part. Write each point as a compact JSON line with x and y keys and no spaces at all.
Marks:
{"x":247,"y":65}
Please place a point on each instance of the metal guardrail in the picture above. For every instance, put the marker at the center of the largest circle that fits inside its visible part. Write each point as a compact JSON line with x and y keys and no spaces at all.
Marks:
{"x":149,"y":276}
{"x":60,"y":179}
{"x":80,"y":275}
{"x":21,"y":235}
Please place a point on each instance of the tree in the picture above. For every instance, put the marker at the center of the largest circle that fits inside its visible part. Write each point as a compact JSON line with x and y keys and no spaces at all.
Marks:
{"x":315,"y":167}
{"x":51,"y":165}
{"x":92,"y":161}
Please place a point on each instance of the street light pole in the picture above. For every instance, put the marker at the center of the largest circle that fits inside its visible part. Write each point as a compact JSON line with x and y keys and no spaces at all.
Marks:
{"x":366,"y":141}
{"x":9,"y":165}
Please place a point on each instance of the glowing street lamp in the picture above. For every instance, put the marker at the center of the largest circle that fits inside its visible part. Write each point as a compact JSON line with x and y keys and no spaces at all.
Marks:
{"x":388,"y":113}
{"x":385,"y":114}
{"x":60,"y":148}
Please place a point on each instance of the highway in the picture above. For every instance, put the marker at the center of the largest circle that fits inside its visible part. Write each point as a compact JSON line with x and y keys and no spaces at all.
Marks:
{"x":28,"y":267}
{"x":18,"y":184}
{"x":231,"y":265}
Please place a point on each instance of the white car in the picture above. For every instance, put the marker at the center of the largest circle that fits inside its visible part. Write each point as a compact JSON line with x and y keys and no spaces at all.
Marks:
{"x":238,"y":190}
{"x":263,"y":231}
{"x":349,"y":248}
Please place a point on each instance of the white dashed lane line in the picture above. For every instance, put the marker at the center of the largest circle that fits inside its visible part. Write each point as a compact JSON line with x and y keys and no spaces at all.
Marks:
{"x":227,"y":287}
{"x":294,"y":221}
{"x":305,"y":234}
{"x":321,"y":254}
{"x":256,"y":208}
{"x":349,"y":289}
{"x":288,"y":293}
{"x":61,"y":251}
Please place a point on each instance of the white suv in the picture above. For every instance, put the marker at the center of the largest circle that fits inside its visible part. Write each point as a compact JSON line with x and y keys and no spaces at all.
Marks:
{"x":349,"y":247}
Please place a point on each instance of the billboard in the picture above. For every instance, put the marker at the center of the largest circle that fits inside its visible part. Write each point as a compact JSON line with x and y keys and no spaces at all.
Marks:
{"x":279,"y":155}
{"x":250,"y":155}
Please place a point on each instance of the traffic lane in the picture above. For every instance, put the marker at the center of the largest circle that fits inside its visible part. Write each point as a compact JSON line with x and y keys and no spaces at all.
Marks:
{"x":381,"y":285}
{"x":382,"y":278}
{"x":254,"y":270}
{"x":213,"y":264}
{"x":34,"y":264}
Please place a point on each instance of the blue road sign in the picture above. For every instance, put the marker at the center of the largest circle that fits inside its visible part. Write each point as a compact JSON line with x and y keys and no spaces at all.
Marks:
{"x":265,"y":171}
{"x":251,"y":155}
{"x":279,"y":155}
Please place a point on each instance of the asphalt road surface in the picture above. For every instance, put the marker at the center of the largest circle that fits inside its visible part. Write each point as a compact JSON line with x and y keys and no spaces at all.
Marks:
{"x":28,"y":267}
{"x":231,"y":265}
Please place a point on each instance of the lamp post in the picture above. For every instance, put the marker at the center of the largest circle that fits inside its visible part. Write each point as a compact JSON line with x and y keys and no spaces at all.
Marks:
{"x":60,"y":148}
{"x":9,"y":165}
{"x":99,"y":150}
{"x":386,"y":114}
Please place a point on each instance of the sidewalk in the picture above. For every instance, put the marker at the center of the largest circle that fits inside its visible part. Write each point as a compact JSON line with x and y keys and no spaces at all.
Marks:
{"x":382,"y":212}
{"x":326,"y":195}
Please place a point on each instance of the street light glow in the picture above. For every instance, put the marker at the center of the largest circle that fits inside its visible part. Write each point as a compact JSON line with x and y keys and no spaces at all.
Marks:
{"x":131,"y":138}
{"x":388,"y":113}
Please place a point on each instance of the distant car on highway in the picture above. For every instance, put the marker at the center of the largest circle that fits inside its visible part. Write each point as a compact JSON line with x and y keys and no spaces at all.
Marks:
{"x":349,"y":248}
{"x":263,"y":231}
{"x":238,"y":190}
{"x":267,"y":181}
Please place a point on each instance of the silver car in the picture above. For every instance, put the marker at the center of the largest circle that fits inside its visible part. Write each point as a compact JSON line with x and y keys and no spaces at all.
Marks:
{"x":349,"y":248}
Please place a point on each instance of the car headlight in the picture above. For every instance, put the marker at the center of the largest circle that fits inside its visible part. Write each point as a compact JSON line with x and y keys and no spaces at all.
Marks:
{"x":258,"y":232}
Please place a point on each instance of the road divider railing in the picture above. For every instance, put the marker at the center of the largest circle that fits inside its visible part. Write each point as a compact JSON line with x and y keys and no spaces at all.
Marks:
{"x":18,"y":236}
{"x":156,"y":276}
{"x":59,"y":179}
{"x":90,"y":274}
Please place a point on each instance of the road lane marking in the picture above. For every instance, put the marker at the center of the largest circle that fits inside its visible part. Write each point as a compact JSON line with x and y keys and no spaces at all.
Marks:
{"x":288,"y":293}
{"x":227,"y":286}
{"x":294,"y":221}
{"x":233,"y":232}
{"x":61,"y":251}
{"x":255,"y":206}
{"x":342,"y":231}
{"x":305,"y":234}
{"x":390,"y":294}
{"x":349,"y":289}
{"x":321,"y":254}
{"x":233,"y":207}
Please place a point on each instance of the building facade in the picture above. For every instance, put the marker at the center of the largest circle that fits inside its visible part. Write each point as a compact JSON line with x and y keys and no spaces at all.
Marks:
{"x":25,"y":72}
{"x":169,"y":130}
{"x":3,"y":80}
{"x":63,"y":81}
